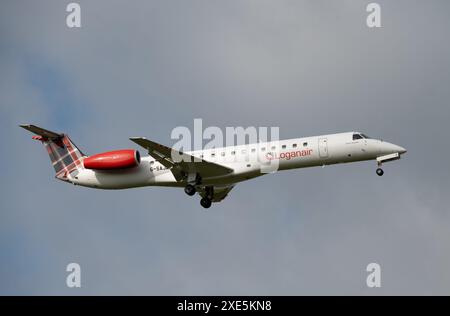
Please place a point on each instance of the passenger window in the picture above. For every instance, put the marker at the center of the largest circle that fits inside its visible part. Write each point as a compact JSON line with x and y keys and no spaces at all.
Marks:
{"x":253,"y":150}
{"x":274,"y":147}
{"x":223,"y":154}
{"x":233,"y":152}
{"x":305,"y":144}
{"x":263,"y":148}
{"x":294,"y":145}
{"x":284,"y":146}
{"x":213,"y":154}
{"x":243,"y":151}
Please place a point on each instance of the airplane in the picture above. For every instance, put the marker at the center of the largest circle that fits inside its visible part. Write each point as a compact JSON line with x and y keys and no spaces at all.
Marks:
{"x":212,"y":173}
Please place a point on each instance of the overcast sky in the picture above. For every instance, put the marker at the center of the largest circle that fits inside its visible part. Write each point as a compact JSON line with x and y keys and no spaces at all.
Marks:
{"x":141,"y":68}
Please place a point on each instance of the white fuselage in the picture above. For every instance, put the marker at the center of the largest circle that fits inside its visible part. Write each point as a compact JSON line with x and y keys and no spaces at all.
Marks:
{"x":247,"y":161}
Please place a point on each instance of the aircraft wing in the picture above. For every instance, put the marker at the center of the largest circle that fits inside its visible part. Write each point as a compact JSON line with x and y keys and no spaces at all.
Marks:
{"x":188,"y":164}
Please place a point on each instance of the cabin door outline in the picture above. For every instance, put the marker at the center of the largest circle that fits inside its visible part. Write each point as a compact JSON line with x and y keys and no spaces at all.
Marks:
{"x":323,"y":147}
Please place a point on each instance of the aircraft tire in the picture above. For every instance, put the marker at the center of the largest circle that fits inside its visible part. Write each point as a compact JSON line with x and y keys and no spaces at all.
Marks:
{"x":380,"y":172}
{"x":190,"y":190}
{"x":205,"y":202}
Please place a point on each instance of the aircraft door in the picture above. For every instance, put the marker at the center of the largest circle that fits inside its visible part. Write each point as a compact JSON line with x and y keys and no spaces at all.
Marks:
{"x":323,"y":148}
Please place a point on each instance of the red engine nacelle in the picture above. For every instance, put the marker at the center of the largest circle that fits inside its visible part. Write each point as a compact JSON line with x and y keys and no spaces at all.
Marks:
{"x":113,"y":160}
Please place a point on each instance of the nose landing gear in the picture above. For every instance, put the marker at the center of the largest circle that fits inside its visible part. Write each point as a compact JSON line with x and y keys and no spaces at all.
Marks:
{"x":379,"y":172}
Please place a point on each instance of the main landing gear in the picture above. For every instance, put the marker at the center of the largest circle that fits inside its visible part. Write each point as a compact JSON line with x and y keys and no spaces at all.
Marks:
{"x":190,"y":190}
{"x":192,"y":179}
{"x":205,"y":202}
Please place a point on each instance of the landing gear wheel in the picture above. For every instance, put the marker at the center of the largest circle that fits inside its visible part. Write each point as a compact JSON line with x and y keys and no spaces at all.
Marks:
{"x":190,"y":190}
{"x":380,"y":172}
{"x":205,"y":202}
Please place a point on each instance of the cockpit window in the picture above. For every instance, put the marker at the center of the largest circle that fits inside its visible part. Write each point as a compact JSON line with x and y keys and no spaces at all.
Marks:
{"x":360,"y":136}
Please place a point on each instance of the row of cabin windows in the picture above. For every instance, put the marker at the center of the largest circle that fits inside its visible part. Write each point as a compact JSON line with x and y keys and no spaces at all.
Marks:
{"x":244,"y":151}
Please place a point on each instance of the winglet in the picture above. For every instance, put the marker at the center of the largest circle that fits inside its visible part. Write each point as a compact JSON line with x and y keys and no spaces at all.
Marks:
{"x":41,"y":132}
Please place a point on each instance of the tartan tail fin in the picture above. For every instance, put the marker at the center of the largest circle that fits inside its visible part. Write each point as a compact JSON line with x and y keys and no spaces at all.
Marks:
{"x":64,"y":155}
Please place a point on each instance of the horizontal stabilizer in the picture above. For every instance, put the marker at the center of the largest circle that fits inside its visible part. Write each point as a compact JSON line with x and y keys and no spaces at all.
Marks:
{"x":42,"y":132}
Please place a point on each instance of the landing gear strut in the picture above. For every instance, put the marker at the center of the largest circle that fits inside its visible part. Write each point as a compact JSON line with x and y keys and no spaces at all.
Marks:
{"x":380,"y":172}
{"x":191,"y":179}
{"x":190,"y":190}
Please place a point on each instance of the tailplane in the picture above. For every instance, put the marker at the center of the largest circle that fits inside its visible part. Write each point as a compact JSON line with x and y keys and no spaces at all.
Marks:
{"x":64,"y":155}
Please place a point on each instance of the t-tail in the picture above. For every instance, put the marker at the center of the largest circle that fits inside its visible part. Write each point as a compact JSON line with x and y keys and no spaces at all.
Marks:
{"x":66,"y":158}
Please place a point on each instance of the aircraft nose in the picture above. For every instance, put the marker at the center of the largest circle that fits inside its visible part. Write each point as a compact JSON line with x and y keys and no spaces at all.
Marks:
{"x":389,"y":148}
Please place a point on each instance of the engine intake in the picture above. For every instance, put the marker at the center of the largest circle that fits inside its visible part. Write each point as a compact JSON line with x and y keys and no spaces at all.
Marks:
{"x":113,"y":160}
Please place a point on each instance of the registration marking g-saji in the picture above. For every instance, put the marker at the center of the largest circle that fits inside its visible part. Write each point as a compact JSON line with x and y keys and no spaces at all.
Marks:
{"x":211,"y":173}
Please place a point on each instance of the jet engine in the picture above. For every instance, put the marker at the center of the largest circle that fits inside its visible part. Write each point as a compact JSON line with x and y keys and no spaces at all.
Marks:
{"x":113,"y":160}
